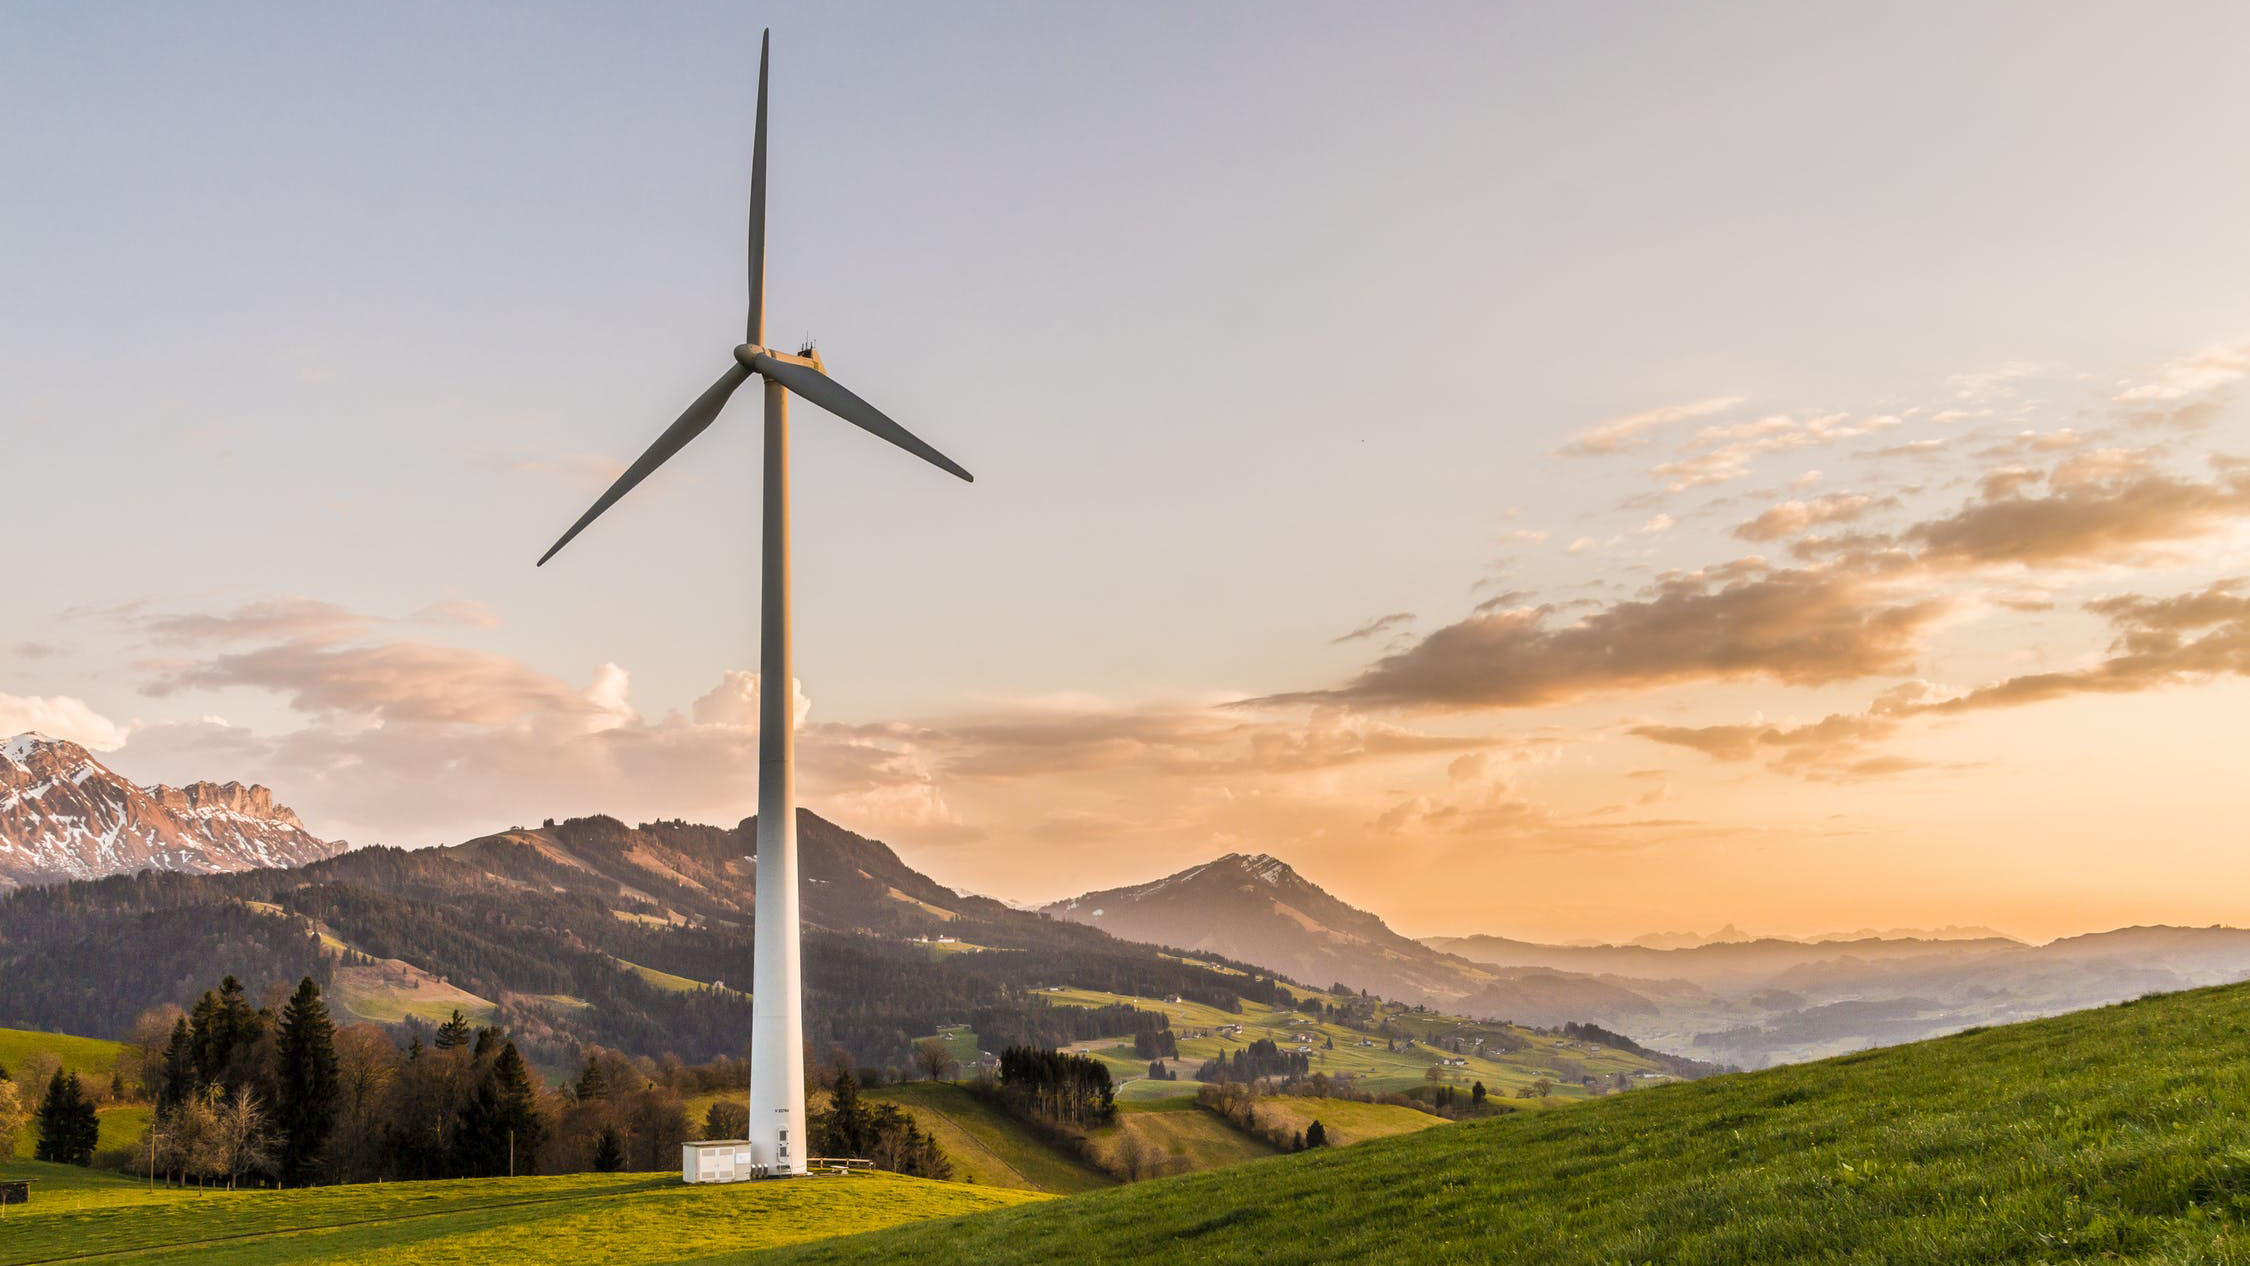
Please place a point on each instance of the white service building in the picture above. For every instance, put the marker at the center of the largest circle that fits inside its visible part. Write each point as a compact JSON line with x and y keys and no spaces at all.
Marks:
{"x":718,"y":1160}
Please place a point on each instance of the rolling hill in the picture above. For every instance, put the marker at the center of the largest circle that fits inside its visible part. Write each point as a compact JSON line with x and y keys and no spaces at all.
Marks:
{"x":587,"y":931}
{"x":2107,"y":1135}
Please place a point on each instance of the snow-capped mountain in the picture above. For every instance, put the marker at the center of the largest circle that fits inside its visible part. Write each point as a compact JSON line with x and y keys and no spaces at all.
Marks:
{"x":65,"y":815}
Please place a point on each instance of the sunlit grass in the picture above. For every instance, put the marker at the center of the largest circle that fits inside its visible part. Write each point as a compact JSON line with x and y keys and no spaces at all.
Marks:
{"x":620,"y":1219}
{"x":2112,"y":1135}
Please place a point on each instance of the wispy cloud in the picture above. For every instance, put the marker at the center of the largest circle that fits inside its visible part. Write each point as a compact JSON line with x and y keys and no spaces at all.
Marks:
{"x":1637,"y":430}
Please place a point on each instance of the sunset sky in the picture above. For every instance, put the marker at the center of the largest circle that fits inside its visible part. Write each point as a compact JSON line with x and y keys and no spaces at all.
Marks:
{"x":1537,"y":472}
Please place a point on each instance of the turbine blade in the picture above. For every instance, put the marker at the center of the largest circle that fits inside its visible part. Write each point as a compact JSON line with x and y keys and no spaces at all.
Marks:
{"x":757,"y":322}
{"x":676,"y":436}
{"x":833,"y":396}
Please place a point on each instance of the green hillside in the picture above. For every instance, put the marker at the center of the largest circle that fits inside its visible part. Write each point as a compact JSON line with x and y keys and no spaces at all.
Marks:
{"x":616,"y":1219}
{"x":89,"y":1057}
{"x":2121,"y":1134}
{"x":987,"y":1145}
{"x":1204,"y":1032}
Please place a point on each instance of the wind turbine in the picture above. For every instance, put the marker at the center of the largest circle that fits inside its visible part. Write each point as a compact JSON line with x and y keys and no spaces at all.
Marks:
{"x":777,"y":1046}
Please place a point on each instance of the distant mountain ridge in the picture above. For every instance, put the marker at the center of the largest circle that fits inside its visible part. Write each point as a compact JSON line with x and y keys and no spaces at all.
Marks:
{"x":1728,"y":998}
{"x":65,"y":815}
{"x":1258,"y":909}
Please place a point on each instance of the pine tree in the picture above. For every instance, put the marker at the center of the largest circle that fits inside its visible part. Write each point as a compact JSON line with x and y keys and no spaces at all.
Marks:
{"x":593,"y":1083}
{"x":309,"y":1094}
{"x":609,"y":1151}
{"x":454,"y":1032}
{"x":501,"y":1119}
{"x":726,"y":1119}
{"x":1476,"y":1094}
{"x":1316,"y":1135}
{"x":1297,"y":1144}
{"x":68,"y":1127}
{"x":175,"y":1081}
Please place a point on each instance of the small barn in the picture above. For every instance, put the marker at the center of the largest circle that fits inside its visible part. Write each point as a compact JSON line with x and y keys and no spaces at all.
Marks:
{"x":718,"y":1160}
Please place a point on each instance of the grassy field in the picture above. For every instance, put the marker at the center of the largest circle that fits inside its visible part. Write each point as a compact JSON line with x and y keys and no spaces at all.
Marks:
{"x":617,"y":1219}
{"x":89,"y":1057}
{"x":959,"y":1041}
{"x":1184,"y":1138}
{"x":1373,"y":1067}
{"x":2118,"y":1134}
{"x":1345,"y":1121}
{"x":986,"y":1145}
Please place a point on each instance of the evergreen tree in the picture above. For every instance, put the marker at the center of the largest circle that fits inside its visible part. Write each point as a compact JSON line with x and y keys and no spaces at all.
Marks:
{"x":609,"y":1151}
{"x":502,"y":1117}
{"x":846,"y":1132}
{"x":454,"y":1032}
{"x":1316,"y":1135}
{"x":1297,"y":1144}
{"x":309,"y":1094}
{"x":1476,"y":1094}
{"x":726,"y":1119}
{"x":224,"y":1032}
{"x":68,"y":1127}
{"x":593,"y":1083}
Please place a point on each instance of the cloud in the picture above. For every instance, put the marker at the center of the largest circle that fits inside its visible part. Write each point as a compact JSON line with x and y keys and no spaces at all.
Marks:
{"x":2092,"y":519}
{"x":62,"y":717}
{"x":1745,"y":621}
{"x":35,"y":650}
{"x":391,"y":682}
{"x":1833,"y":749}
{"x":1636,"y":430}
{"x":734,"y":701}
{"x":1375,"y":628}
{"x":1174,"y":742}
{"x":1481,"y":798}
{"x":2205,"y":372}
{"x":1792,"y":517}
{"x":1996,"y":383}
{"x":306,"y":618}
{"x":1717,"y":454}
{"x":2157,"y":642}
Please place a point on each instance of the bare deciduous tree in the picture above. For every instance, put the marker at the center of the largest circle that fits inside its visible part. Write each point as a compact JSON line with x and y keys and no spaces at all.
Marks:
{"x":933,"y":1058}
{"x":241,"y":1140}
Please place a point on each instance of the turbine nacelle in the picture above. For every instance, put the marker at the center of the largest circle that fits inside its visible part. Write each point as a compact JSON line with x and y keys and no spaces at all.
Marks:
{"x":748,"y":355}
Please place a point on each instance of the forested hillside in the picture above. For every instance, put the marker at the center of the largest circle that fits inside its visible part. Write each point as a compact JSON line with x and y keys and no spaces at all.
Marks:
{"x":582,"y":932}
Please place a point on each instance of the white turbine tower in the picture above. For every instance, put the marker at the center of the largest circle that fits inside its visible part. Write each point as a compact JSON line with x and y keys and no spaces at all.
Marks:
{"x":777,"y":1047}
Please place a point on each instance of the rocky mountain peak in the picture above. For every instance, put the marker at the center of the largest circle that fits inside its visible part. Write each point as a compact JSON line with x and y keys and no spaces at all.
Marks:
{"x":66,"y":815}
